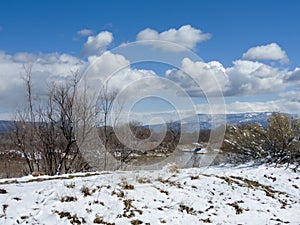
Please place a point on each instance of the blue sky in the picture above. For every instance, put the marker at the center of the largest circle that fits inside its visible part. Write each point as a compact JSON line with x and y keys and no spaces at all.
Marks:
{"x":45,"y":28}
{"x":50,"y":26}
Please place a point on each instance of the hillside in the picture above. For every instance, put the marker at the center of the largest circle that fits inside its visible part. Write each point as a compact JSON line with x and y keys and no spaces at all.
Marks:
{"x":205,"y":120}
{"x":216,"y":195}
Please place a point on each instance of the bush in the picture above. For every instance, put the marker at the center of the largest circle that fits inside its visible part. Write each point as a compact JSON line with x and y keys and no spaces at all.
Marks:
{"x":277,"y":143}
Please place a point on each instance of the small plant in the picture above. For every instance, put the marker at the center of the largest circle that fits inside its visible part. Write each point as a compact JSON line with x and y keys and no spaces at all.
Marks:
{"x":3,"y":191}
{"x":98,"y":220}
{"x":71,"y":185}
{"x":68,"y":199}
{"x":86,"y":191}
{"x":136,"y":222}
{"x":119,"y":194}
{"x":236,"y":206}
{"x":97,"y":202}
{"x":128,"y":204}
{"x":169,"y":182}
{"x":186,"y":208}
{"x":163,"y":191}
{"x":74,"y":219}
{"x":143,"y":180}
{"x":173,"y":168}
{"x":194,"y":177}
{"x":4,"y":208}
{"x":24,"y":217}
{"x":206,"y":220}
{"x":129,"y":209}
{"x":126,"y":185}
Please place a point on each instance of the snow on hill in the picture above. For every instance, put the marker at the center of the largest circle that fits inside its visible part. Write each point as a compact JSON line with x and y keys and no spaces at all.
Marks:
{"x":216,"y":195}
{"x":206,"y":122}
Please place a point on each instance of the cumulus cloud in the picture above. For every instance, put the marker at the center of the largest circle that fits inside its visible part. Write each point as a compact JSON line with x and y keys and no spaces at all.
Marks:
{"x":200,"y":78}
{"x":115,"y":71}
{"x":293,"y":76}
{"x":244,"y":78}
{"x":266,"y":52}
{"x":46,"y":68}
{"x":186,"y":36}
{"x":252,"y":78}
{"x":85,"y":32}
{"x":96,"y":45}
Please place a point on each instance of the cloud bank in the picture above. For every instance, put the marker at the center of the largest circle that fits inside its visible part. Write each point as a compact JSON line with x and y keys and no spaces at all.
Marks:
{"x":248,"y":76}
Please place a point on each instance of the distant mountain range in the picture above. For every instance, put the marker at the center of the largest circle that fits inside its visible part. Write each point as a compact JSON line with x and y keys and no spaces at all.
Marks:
{"x":205,"y":121}
{"x":240,"y":118}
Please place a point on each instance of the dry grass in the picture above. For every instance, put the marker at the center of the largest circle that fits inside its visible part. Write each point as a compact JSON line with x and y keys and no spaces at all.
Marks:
{"x":125,"y":185}
{"x":68,"y":199}
{"x":173,"y":168}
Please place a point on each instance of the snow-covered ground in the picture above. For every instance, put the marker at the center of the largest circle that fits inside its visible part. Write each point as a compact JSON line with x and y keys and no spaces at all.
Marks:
{"x":215,"y":195}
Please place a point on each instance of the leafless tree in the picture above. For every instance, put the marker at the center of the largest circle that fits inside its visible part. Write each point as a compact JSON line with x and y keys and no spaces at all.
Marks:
{"x":44,"y":130}
{"x":106,"y":100}
{"x":23,"y":134}
{"x":174,"y":128}
{"x":172,"y":135}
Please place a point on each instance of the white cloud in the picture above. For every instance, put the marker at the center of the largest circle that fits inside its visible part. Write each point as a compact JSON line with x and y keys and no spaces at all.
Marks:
{"x":114,"y":69}
{"x":244,"y":78}
{"x":279,"y":105}
{"x":46,"y":68}
{"x":293,"y":76}
{"x":252,"y":78}
{"x":85,"y":32}
{"x":186,"y":36}
{"x":266,"y":52}
{"x":200,"y":78}
{"x":291,"y":96}
{"x":49,"y":68}
{"x":96,"y":45}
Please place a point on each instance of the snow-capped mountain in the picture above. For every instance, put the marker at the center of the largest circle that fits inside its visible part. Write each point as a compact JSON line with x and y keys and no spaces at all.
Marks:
{"x":239,"y":118}
{"x":208,"y":121}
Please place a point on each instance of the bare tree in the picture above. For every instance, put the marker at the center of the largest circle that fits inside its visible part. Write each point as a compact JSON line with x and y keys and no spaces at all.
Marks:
{"x":172,"y":136}
{"x":105,"y":104}
{"x":44,"y":130}
{"x":23,"y":134}
{"x":132,"y":136}
{"x":174,"y":128}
